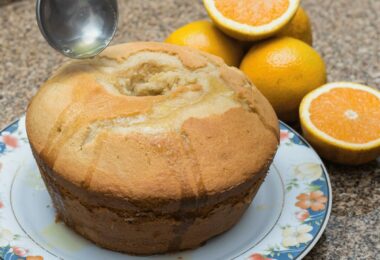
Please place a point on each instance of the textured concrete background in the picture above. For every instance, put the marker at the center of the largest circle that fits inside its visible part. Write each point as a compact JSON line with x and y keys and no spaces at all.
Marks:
{"x":346,"y":33}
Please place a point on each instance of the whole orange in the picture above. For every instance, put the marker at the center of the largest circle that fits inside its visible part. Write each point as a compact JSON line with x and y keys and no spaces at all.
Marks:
{"x":284,"y":70}
{"x":299,"y":27}
{"x":204,"y":36}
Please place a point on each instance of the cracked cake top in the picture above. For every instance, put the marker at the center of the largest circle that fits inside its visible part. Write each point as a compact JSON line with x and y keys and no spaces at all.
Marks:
{"x":152,"y":121}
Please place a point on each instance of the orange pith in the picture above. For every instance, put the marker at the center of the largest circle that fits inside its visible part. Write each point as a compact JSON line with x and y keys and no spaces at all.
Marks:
{"x":347,"y":114}
{"x":252,"y":12}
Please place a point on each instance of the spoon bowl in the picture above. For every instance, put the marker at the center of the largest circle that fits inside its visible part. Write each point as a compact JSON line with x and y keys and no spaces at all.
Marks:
{"x":77,"y":29}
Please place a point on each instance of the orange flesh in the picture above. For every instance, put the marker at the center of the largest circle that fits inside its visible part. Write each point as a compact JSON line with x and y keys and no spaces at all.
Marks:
{"x":347,"y":114}
{"x":252,"y":12}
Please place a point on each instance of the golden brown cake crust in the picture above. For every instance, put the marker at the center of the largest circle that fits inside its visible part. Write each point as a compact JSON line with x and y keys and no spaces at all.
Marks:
{"x":114,"y":138}
{"x":146,"y":233}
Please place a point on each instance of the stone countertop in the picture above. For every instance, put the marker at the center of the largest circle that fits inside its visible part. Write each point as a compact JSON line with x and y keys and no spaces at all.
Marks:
{"x":347,"y":38}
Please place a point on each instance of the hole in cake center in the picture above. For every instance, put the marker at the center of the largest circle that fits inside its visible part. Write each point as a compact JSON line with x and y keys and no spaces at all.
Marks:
{"x":148,"y":80}
{"x":149,"y":74}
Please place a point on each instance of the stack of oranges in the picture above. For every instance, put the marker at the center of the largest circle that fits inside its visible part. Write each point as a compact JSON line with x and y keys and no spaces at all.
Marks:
{"x":271,"y":41}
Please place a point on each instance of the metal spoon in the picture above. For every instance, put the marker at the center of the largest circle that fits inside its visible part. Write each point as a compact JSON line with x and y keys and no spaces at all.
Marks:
{"x":77,"y":28}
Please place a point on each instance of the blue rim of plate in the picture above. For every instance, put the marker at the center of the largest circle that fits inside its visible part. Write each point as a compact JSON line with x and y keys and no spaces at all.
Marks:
{"x":297,"y":139}
{"x":325,"y":221}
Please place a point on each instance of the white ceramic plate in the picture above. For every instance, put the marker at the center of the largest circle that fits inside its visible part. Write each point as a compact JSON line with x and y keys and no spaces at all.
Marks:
{"x":285,"y":220}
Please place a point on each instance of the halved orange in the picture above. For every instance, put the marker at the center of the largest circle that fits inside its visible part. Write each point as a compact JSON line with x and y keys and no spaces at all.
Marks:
{"x":251,"y":19}
{"x":342,"y":122}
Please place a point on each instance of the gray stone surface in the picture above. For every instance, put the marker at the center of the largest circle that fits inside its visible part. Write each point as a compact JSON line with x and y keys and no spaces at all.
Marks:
{"x":346,"y":33}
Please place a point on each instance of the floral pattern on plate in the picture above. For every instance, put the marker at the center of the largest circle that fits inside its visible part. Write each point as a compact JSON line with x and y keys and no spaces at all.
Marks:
{"x":11,"y":138}
{"x":308,"y":186}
